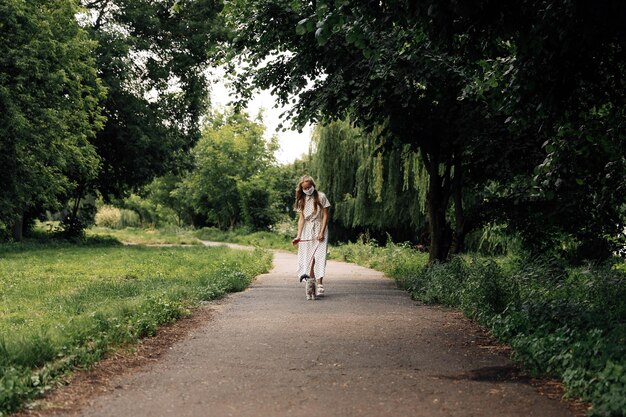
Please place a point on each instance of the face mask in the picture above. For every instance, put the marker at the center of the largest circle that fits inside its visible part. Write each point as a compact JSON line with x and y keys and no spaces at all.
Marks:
{"x":308,"y":191}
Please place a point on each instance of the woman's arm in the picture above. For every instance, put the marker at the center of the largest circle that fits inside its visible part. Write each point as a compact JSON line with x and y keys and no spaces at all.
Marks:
{"x":324,"y":223}
{"x":300,"y":227}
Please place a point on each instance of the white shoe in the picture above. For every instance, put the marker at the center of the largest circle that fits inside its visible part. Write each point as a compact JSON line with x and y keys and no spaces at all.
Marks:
{"x":320,"y":290}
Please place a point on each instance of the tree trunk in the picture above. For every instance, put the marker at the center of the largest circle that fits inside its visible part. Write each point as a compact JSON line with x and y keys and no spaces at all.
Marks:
{"x":18,"y":229}
{"x":458,"y":238}
{"x":438,"y":197}
{"x":437,"y":227}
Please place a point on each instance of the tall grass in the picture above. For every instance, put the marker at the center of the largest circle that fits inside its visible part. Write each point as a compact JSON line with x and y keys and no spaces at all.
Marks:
{"x":116,"y":218}
{"x":63,"y":306}
{"x":563,"y":322}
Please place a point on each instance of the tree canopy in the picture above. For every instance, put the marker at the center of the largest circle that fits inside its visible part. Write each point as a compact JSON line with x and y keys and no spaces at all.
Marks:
{"x":227,"y":162}
{"x":471,"y":93}
{"x":49,"y":96}
{"x":153,"y":62}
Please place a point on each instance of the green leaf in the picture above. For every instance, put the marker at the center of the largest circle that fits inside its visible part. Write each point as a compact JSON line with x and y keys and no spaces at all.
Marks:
{"x":301,"y":27}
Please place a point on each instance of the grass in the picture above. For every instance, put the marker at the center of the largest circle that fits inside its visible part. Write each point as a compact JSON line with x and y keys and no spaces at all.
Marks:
{"x":139,"y":236}
{"x":62,"y":306}
{"x":179,"y":236}
{"x":261,"y":239}
{"x":395,"y":260}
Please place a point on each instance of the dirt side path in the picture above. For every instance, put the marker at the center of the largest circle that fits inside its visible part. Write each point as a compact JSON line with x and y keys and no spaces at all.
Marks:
{"x":365,"y":349}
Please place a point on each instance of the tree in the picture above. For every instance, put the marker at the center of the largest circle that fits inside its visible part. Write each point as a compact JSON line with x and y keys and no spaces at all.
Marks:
{"x":563,"y":90}
{"x":369,"y":62}
{"x":153,"y":61}
{"x":379,"y":192}
{"x":460,"y":82}
{"x":231,"y":152}
{"x":49,"y":96}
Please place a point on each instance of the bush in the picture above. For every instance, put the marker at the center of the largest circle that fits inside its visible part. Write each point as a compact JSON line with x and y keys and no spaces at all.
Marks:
{"x":108,"y":216}
{"x":115,"y":218}
{"x":129,"y":218}
{"x":566,"y":324}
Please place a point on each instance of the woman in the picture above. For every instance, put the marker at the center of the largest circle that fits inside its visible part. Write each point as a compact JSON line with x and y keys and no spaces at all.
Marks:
{"x":312,"y":208}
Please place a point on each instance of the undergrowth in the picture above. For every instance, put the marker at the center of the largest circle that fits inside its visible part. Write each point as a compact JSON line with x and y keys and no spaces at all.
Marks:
{"x":64,"y":306}
{"x":562,"y":322}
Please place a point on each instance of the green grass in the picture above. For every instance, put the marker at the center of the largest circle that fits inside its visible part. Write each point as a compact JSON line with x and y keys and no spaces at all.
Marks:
{"x":173,"y":235}
{"x":266,"y":240}
{"x":139,"y":236}
{"x":63,"y":306}
{"x":395,"y":260}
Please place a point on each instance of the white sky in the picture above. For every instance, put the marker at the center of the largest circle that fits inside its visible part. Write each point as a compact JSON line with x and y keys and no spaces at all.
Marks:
{"x":292,"y":144}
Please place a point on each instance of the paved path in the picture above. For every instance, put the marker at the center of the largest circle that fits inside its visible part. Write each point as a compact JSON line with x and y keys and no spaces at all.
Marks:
{"x":365,"y":349}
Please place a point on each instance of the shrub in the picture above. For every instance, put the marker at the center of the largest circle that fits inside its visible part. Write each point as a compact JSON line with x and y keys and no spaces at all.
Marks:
{"x":129,"y":218}
{"x":108,"y":216}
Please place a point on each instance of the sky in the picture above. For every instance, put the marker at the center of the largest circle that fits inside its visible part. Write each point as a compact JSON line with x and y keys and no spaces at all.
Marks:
{"x":292,"y":144}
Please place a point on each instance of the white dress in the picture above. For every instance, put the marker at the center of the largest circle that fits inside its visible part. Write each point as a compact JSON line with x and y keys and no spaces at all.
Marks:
{"x":310,"y":248}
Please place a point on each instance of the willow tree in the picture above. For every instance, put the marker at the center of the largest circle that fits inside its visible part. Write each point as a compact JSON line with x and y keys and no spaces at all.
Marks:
{"x":370,"y":190}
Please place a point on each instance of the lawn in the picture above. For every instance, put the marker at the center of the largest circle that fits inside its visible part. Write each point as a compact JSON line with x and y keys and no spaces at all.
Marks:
{"x":140,"y":236}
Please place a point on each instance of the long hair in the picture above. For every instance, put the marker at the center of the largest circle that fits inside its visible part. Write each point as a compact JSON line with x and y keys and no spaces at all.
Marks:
{"x":299,"y":205}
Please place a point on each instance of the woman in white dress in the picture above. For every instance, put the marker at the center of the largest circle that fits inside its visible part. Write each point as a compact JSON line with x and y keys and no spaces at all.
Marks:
{"x":312,"y":239}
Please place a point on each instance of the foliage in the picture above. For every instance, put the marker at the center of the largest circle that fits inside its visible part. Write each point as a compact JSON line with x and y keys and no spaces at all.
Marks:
{"x":91,"y":298}
{"x":561,"y":88}
{"x":256,"y":210}
{"x":562,"y":322}
{"x":114,"y":218}
{"x":370,"y":63}
{"x":152,"y":213}
{"x":159,"y":204}
{"x":231,"y":154}
{"x":394,"y":259}
{"x":49,"y":95}
{"x":493,"y":240}
{"x":380,"y":192}
{"x":471,"y":86}
{"x":153,"y":63}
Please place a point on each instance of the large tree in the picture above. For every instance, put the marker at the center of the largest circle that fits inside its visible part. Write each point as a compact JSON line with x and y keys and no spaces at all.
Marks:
{"x":153,"y":61}
{"x":369,"y":62}
{"x":471,"y":86}
{"x":49,"y":96}
{"x":563,"y":90}
{"x":227,"y":162}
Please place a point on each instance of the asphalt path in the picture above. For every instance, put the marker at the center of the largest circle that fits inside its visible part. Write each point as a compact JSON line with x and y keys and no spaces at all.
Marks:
{"x":364,"y":349}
